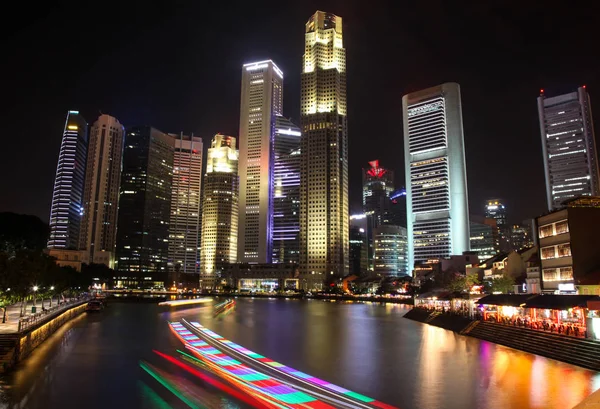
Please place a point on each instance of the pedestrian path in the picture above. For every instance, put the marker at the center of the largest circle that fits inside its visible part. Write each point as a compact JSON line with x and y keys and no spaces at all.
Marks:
{"x":13,"y":314}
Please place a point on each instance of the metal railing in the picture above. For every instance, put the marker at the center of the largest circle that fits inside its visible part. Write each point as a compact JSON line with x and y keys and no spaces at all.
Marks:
{"x":47,"y":314}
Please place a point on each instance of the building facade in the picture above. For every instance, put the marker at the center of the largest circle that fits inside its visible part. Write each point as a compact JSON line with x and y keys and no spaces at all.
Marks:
{"x":220,"y":207}
{"x":436,"y":180}
{"x":186,"y":201}
{"x":568,"y":251}
{"x":390,"y":250}
{"x":261,"y":103}
{"x":568,"y":146}
{"x":286,"y":192}
{"x":101,"y":193}
{"x":520,"y":237}
{"x":358,"y":249}
{"x":378,"y":187}
{"x":484,"y":237}
{"x":67,"y":196}
{"x":324,"y":172}
{"x":145,"y":203}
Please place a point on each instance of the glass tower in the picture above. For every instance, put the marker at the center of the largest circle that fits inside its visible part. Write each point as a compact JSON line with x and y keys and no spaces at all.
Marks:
{"x":261,"y":103}
{"x":569,"y":147}
{"x":67,"y":196}
{"x":436,"y":179}
{"x":145,"y":203}
{"x":324,"y":232}
{"x":378,"y":186}
{"x":219,"y":210}
{"x":286,"y":192}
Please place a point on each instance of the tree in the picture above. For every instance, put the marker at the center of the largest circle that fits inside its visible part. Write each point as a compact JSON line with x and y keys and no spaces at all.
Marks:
{"x":462,"y":283}
{"x":502,"y":284}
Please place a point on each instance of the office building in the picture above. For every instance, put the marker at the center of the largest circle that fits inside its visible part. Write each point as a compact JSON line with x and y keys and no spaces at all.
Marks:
{"x":324,"y":172}
{"x":378,"y":187}
{"x":219,"y":210}
{"x":359,"y":244}
{"x":390,"y":250}
{"x":398,"y":208}
{"x":286,"y":192}
{"x":568,"y":248}
{"x":145,"y":204}
{"x":520,"y":237}
{"x":495,"y":209}
{"x":484,"y":237}
{"x":436,"y":180}
{"x":261,"y":103}
{"x":101,"y":193}
{"x":568,"y":146}
{"x":186,"y":201}
{"x":67,"y":196}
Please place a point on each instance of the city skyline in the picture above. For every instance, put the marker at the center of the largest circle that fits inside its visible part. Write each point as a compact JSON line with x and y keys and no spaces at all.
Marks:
{"x":514,"y":90}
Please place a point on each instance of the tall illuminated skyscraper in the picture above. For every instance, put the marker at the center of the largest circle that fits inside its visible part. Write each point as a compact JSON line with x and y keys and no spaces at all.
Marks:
{"x":220,"y":209}
{"x":436,"y":178}
{"x":67,"y":197}
{"x":145,"y":204}
{"x":186,"y":200}
{"x":569,"y":147}
{"x":261,"y":103}
{"x":324,"y":235}
{"x":101,"y":193}
{"x":378,"y":187}
{"x":286,"y":192}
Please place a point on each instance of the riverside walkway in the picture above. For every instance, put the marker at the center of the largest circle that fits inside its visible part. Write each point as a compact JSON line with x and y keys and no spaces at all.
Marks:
{"x":16,"y":323}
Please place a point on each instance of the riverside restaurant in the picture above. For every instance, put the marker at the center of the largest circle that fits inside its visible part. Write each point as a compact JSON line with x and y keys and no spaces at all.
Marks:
{"x":572,"y":315}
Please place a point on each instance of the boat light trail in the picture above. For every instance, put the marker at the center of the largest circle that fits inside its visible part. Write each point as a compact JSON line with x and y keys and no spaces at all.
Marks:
{"x":168,"y":386}
{"x":263,"y":384}
{"x":177,"y":303}
{"x":288,"y":370}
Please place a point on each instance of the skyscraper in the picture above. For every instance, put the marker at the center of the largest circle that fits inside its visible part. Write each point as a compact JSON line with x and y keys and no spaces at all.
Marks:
{"x":186,"y":200}
{"x":286,"y":192}
{"x":568,"y":146}
{"x":436,"y":179}
{"x":495,"y":209}
{"x":324,"y":172}
{"x":67,"y":197}
{"x":101,"y":192}
{"x":390,"y":249}
{"x":358,"y":249}
{"x":261,"y":103}
{"x":145,"y":204}
{"x":219,"y":210}
{"x":378,"y":186}
{"x":484,"y":237}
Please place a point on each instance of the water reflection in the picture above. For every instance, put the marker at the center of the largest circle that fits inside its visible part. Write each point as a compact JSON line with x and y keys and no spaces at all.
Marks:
{"x":367,"y":348}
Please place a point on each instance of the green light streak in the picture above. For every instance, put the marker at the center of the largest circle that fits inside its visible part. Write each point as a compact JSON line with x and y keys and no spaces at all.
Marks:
{"x":169,"y":387}
{"x":156,"y":401}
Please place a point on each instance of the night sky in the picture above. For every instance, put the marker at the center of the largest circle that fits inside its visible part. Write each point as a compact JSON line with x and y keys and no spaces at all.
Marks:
{"x":178,"y":68}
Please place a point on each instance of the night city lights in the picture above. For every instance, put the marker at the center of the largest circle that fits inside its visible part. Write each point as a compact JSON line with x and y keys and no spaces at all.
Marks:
{"x":237,"y":205}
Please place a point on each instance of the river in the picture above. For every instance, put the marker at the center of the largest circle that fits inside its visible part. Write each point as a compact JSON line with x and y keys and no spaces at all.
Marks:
{"x":93,"y":361}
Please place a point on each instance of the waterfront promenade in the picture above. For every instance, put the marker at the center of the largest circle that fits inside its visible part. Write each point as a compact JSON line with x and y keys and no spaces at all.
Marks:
{"x":16,"y":323}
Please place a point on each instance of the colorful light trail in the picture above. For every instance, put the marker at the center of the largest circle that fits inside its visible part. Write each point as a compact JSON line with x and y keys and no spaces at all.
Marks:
{"x":262,"y":385}
{"x":178,"y":303}
{"x":241,"y":371}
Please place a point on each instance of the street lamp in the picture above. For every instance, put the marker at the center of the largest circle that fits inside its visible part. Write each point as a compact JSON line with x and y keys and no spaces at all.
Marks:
{"x":35,"y":288}
{"x":51,"y":295}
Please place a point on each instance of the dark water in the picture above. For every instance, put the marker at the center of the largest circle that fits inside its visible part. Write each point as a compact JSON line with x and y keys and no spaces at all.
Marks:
{"x":93,"y":362}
